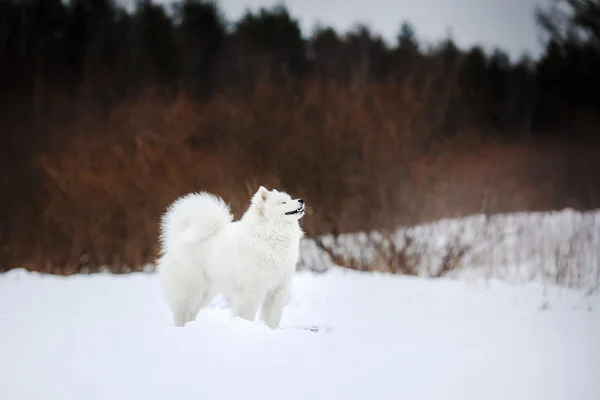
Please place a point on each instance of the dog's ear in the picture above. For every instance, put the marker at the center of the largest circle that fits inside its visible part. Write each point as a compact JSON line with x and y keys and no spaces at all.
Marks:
{"x":258,"y":200}
{"x":262,"y":194}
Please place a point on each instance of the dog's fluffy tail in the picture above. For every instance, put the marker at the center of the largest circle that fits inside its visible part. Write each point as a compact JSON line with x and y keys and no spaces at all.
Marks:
{"x":192,"y":219}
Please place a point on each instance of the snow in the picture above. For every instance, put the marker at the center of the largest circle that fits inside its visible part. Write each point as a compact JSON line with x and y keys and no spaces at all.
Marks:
{"x":517,"y":317}
{"x":392,"y":337}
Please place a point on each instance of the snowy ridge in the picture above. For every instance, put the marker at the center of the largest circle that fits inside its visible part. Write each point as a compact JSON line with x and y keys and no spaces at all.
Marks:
{"x":561,"y":247}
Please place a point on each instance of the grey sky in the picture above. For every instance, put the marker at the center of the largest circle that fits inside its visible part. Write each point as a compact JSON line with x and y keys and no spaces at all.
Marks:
{"x":508,"y":24}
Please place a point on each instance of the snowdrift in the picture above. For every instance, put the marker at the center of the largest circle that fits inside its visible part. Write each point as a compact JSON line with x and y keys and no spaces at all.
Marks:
{"x":561,"y":247}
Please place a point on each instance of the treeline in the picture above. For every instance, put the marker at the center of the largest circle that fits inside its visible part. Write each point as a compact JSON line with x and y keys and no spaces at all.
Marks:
{"x":106,"y":115}
{"x":95,"y":51}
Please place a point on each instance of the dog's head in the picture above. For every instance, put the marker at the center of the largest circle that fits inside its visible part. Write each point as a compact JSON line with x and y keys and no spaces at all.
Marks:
{"x":275,"y":205}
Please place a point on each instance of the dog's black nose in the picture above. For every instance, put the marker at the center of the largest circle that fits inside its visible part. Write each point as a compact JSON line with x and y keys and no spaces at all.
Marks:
{"x":301,"y":201}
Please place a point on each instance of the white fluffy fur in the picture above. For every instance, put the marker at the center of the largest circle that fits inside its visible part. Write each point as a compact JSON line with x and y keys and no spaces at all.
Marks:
{"x":251,"y":261}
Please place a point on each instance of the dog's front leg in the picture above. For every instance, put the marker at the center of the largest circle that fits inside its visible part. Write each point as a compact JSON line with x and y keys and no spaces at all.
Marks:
{"x":273,"y":304}
{"x":246,"y":306}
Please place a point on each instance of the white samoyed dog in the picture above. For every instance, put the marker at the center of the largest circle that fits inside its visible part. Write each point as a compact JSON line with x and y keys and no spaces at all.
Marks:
{"x":250,"y":261}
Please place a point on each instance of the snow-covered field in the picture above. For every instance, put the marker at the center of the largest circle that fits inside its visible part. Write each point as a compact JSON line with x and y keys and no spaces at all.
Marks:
{"x":517,"y":318}
{"x":391,"y":337}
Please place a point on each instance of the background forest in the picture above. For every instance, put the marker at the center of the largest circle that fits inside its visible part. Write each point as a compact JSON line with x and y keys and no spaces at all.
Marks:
{"x":106,"y":116}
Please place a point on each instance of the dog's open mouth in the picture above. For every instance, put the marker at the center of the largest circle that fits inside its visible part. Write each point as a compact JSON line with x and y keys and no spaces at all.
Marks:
{"x":297,"y":211}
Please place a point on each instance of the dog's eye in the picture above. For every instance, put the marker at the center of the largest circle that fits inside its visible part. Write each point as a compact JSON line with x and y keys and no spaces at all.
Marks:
{"x":283,"y":202}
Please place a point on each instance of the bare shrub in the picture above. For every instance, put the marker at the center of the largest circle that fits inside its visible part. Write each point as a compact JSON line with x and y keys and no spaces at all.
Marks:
{"x":455,"y":251}
{"x":577,"y":256}
{"x":404,"y":258}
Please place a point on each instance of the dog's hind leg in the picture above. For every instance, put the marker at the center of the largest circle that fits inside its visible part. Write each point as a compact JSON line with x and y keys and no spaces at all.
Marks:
{"x":201,"y":300}
{"x":181,"y":309}
{"x":187,"y":301}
